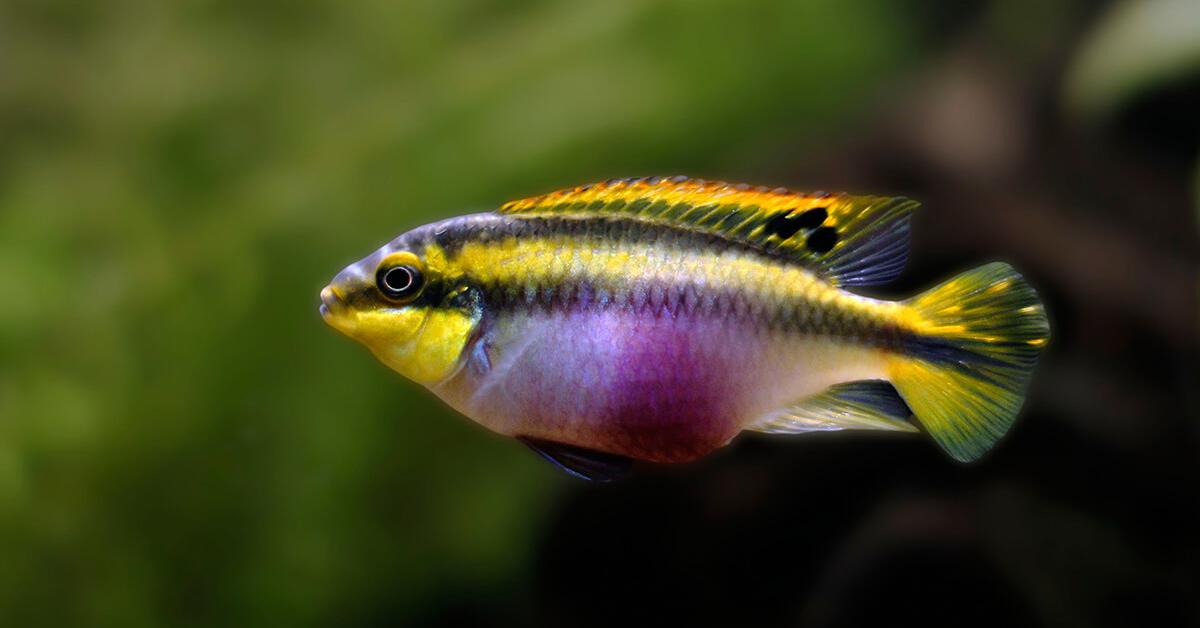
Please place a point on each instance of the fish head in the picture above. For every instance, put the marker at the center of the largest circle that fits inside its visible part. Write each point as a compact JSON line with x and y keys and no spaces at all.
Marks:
{"x":406,"y":304}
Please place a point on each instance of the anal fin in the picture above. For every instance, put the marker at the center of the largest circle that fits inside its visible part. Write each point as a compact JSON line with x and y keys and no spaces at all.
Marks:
{"x":862,"y":405}
{"x":581,"y":462}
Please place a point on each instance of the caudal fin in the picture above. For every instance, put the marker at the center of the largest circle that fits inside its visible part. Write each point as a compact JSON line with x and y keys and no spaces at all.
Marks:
{"x":965,"y":371}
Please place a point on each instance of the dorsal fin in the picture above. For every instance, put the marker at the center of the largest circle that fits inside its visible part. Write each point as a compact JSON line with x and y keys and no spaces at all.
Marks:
{"x":581,"y":462}
{"x":849,"y":240}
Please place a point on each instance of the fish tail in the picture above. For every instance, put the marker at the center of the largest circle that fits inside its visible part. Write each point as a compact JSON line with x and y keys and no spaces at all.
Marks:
{"x":965,"y":368}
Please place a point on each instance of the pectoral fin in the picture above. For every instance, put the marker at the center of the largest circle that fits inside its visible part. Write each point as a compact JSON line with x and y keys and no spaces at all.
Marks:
{"x":864,"y":405}
{"x":580,"y":462}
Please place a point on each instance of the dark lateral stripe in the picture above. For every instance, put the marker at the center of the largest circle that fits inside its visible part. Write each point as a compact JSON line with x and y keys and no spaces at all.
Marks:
{"x":943,"y":352}
{"x":452,"y":235}
{"x":689,"y":300}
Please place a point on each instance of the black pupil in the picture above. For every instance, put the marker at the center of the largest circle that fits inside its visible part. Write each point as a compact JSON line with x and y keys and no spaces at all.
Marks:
{"x":399,"y":280}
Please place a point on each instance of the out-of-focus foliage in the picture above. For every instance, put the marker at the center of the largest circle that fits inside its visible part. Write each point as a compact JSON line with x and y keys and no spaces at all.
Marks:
{"x":182,"y":442}
{"x":1138,"y":45}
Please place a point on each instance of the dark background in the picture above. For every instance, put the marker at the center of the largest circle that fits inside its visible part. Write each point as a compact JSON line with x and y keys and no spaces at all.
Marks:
{"x":184,"y":443}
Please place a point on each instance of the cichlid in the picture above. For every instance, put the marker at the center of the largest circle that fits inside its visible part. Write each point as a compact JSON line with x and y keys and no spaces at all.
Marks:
{"x":657,"y":318}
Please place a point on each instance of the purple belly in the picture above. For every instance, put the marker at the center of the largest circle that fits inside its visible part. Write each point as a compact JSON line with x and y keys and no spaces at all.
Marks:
{"x":647,"y":386}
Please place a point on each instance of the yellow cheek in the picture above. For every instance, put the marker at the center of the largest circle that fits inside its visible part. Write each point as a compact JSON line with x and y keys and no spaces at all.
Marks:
{"x":439,"y":346}
{"x":387,"y":333}
{"x":422,"y":345}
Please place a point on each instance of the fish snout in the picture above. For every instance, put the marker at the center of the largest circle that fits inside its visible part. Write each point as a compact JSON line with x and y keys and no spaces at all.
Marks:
{"x":332,"y":303}
{"x":339,"y":303}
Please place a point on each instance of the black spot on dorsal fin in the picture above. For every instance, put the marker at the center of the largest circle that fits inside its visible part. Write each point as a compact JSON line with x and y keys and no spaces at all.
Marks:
{"x":581,"y":462}
{"x":822,"y":240}
{"x":786,"y":226}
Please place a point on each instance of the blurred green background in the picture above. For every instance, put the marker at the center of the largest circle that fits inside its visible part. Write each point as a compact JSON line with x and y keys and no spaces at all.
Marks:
{"x":184,"y":443}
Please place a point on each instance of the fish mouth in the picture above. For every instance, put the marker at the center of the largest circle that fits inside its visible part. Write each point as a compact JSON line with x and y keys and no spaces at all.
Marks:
{"x":331,"y":305}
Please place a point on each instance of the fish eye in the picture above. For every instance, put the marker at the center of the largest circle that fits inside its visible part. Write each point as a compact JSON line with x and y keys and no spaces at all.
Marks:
{"x":399,"y":283}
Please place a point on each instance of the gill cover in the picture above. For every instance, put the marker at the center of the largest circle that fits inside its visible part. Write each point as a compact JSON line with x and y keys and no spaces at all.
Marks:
{"x":440,"y":345}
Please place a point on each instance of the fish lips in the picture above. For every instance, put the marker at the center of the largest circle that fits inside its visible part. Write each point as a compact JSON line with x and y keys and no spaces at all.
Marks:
{"x":333,"y":308}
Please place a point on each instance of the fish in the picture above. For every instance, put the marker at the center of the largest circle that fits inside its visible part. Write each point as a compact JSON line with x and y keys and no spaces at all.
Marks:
{"x":655,"y":319}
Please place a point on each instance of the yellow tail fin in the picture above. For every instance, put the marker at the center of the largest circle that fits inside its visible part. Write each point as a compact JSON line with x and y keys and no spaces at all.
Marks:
{"x":965,"y":371}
